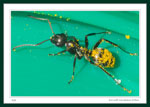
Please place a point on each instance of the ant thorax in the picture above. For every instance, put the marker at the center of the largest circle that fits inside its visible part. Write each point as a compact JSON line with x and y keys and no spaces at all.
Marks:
{"x":82,"y":51}
{"x":69,"y":45}
{"x":79,"y":52}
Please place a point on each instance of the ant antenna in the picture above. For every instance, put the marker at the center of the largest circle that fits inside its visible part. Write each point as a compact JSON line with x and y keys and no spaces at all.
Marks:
{"x":14,"y":49}
{"x":44,"y":19}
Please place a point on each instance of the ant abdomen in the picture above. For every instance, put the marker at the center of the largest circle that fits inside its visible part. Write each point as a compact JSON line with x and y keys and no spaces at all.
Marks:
{"x":103,"y":57}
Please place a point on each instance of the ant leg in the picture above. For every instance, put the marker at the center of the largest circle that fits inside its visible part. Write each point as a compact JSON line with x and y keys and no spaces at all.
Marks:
{"x":117,"y":81}
{"x":46,"y":20}
{"x":72,"y":37}
{"x":73,"y":69}
{"x":91,"y":34}
{"x":14,"y":49}
{"x":102,"y":40}
{"x":62,"y":52}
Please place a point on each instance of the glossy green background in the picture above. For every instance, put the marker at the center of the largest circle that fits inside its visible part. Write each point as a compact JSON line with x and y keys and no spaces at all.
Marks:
{"x":34,"y":73}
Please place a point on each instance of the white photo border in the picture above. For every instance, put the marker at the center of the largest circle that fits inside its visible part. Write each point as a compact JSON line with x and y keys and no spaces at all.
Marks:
{"x":73,"y":7}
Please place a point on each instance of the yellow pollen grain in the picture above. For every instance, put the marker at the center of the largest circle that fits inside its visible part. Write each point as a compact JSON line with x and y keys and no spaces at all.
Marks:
{"x":131,"y":54}
{"x":129,"y":91}
{"x":67,"y":19}
{"x":55,"y":15}
{"x":125,"y":89}
{"x":60,"y":17}
{"x":127,"y":36}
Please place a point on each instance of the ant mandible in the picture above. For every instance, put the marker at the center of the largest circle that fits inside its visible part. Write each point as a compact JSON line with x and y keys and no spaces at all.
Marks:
{"x":99,"y":57}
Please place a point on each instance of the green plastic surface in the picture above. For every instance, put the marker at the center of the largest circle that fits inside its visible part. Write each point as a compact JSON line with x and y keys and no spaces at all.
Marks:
{"x":34,"y":73}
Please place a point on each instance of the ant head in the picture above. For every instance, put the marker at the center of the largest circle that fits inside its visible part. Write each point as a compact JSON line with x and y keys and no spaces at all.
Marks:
{"x":59,"y":39}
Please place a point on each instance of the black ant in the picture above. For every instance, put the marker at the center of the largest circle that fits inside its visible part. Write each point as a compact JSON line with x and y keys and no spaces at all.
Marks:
{"x":99,"y":57}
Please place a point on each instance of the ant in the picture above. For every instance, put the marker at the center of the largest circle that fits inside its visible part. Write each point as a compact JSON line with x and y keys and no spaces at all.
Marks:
{"x":99,"y":57}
